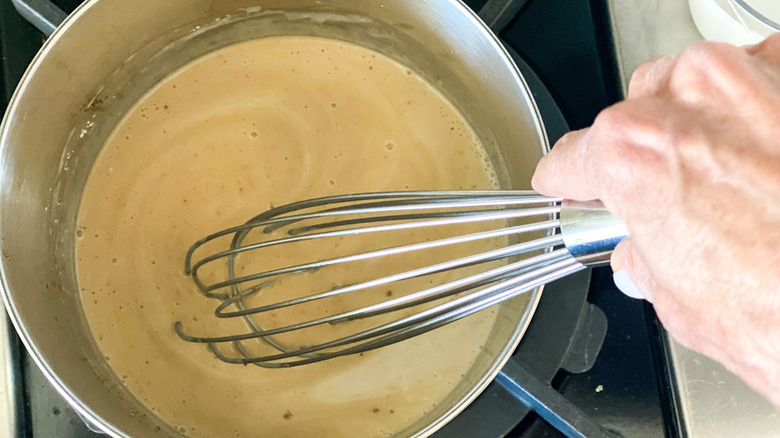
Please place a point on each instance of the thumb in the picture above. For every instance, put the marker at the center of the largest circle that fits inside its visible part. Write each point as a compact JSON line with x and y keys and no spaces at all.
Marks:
{"x":631,"y":275}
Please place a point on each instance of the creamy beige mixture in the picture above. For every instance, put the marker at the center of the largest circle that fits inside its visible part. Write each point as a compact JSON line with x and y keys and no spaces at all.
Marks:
{"x":264,"y":123}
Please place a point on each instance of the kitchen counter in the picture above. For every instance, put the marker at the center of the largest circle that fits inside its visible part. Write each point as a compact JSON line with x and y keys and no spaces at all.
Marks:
{"x":711,"y":401}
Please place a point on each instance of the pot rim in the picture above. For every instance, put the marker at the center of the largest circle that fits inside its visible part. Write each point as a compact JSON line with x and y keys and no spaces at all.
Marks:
{"x":86,"y":413}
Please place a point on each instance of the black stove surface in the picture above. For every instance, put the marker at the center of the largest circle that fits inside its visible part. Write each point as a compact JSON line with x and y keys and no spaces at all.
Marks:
{"x":565,"y":42}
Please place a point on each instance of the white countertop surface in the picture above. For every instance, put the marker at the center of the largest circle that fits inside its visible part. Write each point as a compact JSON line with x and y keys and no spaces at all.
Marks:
{"x":648,"y":28}
{"x":713,"y":402}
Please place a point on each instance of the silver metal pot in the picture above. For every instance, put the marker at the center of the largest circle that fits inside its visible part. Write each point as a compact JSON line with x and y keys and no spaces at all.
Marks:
{"x":109,"y":52}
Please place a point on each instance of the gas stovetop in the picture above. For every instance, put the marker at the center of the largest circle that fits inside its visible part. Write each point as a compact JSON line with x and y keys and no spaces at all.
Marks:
{"x":586,"y":387}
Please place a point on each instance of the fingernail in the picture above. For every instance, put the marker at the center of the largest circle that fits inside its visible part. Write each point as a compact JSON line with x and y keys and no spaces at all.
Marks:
{"x":623,"y":282}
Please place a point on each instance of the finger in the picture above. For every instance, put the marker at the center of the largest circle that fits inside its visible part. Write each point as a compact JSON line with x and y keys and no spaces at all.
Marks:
{"x":564,"y":171}
{"x":649,"y":77}
{"x":631,"y":275}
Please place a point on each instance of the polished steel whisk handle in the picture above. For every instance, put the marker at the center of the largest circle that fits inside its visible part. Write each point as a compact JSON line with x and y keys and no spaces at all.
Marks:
{"x":589,"y":231}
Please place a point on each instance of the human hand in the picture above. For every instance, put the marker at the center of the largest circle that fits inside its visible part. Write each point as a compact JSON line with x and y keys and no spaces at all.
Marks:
{"x":690,"y":162}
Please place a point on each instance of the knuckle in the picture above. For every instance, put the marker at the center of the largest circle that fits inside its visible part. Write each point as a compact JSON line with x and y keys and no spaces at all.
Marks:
{"x":773,"y":40}
{"x":767,"y":52}
{"x":694,"y":62}
{"x":611,"y":117}
{"x":613,"y":134}
{"x":568,"y":137}
{"x":770,"y":44}
{"x":629,"y":141}
{"x":703,"y":68}
{"x":649,"y":77}
{"x":704,"y":53}
{"x":629,"y":121}
{"x":611,"y":128}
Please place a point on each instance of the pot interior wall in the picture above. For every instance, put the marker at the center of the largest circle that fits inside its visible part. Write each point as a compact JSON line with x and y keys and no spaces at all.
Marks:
{"x":110,"y":53}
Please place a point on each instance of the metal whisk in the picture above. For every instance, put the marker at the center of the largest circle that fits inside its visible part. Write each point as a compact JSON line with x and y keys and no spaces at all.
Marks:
{"x":533,"y":240}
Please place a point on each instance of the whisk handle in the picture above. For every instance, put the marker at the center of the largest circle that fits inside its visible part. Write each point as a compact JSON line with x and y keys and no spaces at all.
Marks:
{"x":590,"y":232}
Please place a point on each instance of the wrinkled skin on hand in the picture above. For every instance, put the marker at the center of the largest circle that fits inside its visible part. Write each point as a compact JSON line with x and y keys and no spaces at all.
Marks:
{"x":690,"y":161}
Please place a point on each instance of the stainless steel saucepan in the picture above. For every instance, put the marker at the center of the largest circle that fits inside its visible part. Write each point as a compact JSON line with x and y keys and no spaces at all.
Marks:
{"x":109,"y":52}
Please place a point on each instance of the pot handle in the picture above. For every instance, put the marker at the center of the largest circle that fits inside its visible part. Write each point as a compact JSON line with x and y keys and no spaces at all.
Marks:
{"x":498,"y":13}
{"x":42,"y":14}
